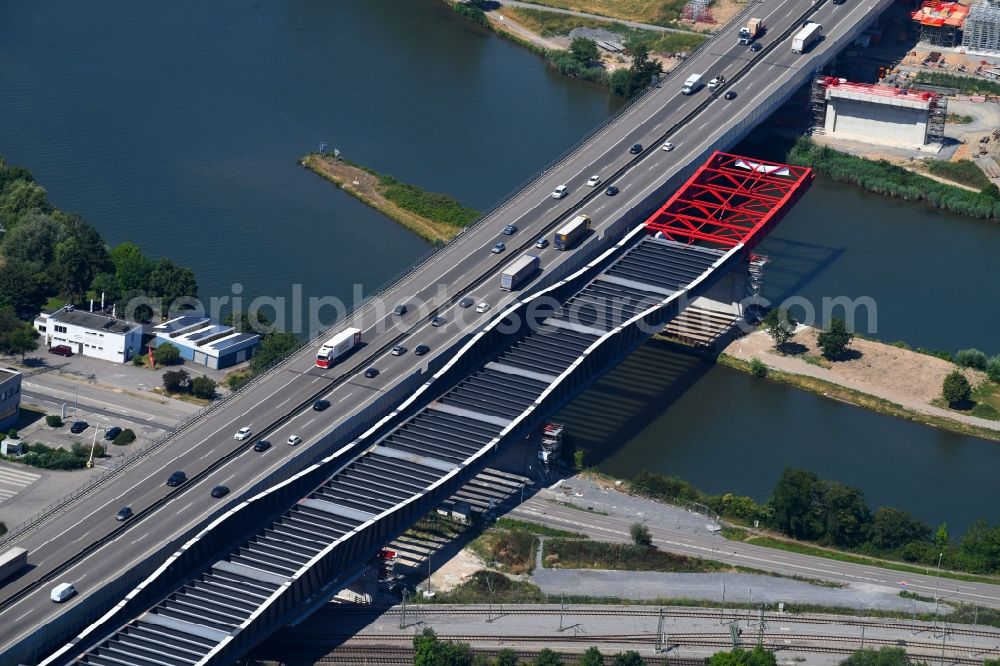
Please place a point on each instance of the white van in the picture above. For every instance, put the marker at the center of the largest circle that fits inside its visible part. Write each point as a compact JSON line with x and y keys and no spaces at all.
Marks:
{"x":62,"y":592}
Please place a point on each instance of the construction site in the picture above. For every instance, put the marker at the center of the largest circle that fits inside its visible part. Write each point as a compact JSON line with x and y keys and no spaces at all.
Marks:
{"x":975,"y":27}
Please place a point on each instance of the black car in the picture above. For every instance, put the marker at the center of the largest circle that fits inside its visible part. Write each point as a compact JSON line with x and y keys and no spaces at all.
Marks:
{"x":78,"y":427}
{"x":420,"y":350}
{"x":466,"y":302}
{"x":730,"y":94}
{"x":635,"y":149}
{"x":124,"y":513}
{"x":176,"y":479}
{"x":112,"y":433}
{"x":756,"y":46}
{"x":220,"y":491}
{"x":370,"y":373}
{"x":510,"y":230}
{"x":438,"y":321}
{"x":261,"y":445}
{"x":611,"y":191}
{"x":320,"y":405}
{"x":399,"y":310}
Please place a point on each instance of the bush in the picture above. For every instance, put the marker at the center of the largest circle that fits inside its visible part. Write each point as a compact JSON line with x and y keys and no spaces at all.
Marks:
{"x":956,"y":388}
{"x":970,"y":358}
{"x":758,"y":368}
{"x":834,"y":341}
{"x":176,"y":381}
{"x":53,"y":421}
{"x":993,"y":369}
{"x":12,"y":433}
{"x":237,"y":380}
{"x":49,"y":457}
{"x":965,"y":172}
{"x":473,"y":13}
{"x":203,"y":387}
{"x":124,"y":438}
{"x":640,"y":535}
{"x":167,"y":354}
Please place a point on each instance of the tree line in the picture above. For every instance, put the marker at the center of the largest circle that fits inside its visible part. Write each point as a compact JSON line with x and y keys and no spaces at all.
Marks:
{"x":804,"y":506}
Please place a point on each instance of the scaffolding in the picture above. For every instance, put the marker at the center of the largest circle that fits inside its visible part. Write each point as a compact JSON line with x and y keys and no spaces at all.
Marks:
{"x":697,"y":11}
{"x":937,"y":113}
{"x":817,"y":97}
{"x":755,"y":281}
{"x":940,"y":22}
{"x":982,"y":27}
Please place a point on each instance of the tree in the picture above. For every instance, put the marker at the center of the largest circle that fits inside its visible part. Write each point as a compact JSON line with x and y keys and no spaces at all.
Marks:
{"x":176,"y":381}
{"x":795,"y":501}
{"x":780,"y":325}
{"x":941,"y":536}
{"x":981,"y":544}
{"x":640,"y":535}
{"x":846,"y":514}
{"x":166,"y":354}
{"x":993,"y":369}
{"x":970,"y":358}
{"x":250,"y":322}
{"x":584,"y":51}
{"x":629,"y":658}
{"x":273,"y":348}
{"x":834,"y":341}
{"x":71,"y":270}
{"x":17,"y":198}
{"x":893,"y":528}
{"x":20,"y":341}
{"x":886,"y":656}
{"x":547,"y":657}
{"x":132,"y":269}
{"x":739,"y":657}
{"x":592,"y":657}
{"x":21,"y":289}
{"x":34,"y":239}
{"x":630,"y":82}
{"x":506,"y":657}
{"x":956,"y":388}
{"x":106,"y":284}
{"x":429,"y":651}
{"x":203,"y":387}
{"x":170,"y":282}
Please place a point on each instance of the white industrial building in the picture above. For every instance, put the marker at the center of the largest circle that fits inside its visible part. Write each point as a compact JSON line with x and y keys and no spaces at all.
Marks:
{"x":90,"y":334}
{"x":879,"y":114}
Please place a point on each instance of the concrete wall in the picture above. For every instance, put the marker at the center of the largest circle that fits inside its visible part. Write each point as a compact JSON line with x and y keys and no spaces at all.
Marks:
{"x":10,"y":398}
{"x":876,"y":122}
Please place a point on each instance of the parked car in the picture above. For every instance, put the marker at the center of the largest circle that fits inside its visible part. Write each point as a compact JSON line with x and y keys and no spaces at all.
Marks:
{"x":220,"y":491}
{"x":371,"y":373}
{"x":542,"y":243}
{"x":399,"y":310}
{"x":124,"y":513}
{"x":398,"y":350}
{"x":78,"y":427}
{"x":635,"y":149}
{"x":483,"y":307}
{"x":498,"y":248}
{"x":320,"y":405}
{"x":294,"y":440}
{"x":261,"y":445}
{"x":242,"y":433}
{"x":61,"y":350}
{"x":467,"y":302}
{"x":112,"y":433}
{"x":594,"y":181}
{"x":611,"y":191}
{"x":176,"y":479}
{"x":420,"y":350}
{"x":510,"y":230}
{"x":560,"y":192}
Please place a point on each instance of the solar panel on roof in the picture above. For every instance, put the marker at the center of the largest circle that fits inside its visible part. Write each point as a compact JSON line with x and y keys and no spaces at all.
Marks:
{"x":231,"y":342}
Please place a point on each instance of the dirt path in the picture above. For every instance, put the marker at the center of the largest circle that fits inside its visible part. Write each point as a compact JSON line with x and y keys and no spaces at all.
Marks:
{"x":905,"y":377}
{"x":365,"y":187}
{"x":504,"y":23}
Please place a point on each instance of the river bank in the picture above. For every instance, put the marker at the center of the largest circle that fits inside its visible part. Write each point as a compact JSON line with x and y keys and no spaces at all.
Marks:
{"x":434,"y":217}
{"x":883,"y":378}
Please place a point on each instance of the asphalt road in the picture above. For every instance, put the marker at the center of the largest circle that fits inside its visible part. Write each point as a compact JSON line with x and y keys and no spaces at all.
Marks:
{"x":457,"y":270}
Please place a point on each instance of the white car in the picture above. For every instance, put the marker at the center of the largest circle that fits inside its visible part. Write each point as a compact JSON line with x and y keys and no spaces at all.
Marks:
{"x":242,"y":434}
{"x":594,"y":181}
{"x":293,"y":440}
{"x":559,"y":192}
{"x":483,"y":307}
{"x":668,"y":146}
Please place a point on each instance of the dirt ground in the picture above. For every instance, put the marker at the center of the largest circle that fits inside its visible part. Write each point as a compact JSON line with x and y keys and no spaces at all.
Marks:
{"x":721,"y":11}
{"x":457,"y":570}
{"x":899,"y":375}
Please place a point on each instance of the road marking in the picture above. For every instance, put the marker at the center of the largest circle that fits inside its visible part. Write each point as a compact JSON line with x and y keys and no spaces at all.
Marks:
{"x":24,"y":615}
{"x":141,"y":538}
{"x":345,"y":398}
{"x":81,"y":537}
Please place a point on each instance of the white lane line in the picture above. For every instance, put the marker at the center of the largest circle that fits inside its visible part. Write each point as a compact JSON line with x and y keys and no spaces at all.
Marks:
{"x":140,"y":538}
{"x":81,"y":537}
{"x":345,"y":398}
{"x":24,"y":615}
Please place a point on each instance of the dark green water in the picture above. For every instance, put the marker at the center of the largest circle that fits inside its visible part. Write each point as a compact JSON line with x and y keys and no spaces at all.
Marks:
{"x":179,"y":124}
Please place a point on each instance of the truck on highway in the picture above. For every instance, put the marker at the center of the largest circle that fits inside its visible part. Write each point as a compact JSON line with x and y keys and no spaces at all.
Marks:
{"x":691,"y":84}
{"x":518,"y":272}
{"x":12,"y":560}
{"x":571,"y":232}
{"x":806,"y":37}
{"x":337,"y":346}
{"x":751,"y":30}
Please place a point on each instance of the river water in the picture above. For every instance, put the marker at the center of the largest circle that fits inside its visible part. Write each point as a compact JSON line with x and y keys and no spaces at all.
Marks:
{"x":179,"y":126}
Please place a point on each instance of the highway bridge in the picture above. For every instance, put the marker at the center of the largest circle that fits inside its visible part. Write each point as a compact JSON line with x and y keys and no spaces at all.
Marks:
{"x":168,"y":539}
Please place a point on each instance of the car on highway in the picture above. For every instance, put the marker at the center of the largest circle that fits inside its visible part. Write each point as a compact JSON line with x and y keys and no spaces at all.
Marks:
{"x":176,"y":479}
{"x":398,"y":350}
{"x":78,"y":427}
{"x":438,"y":321}
{"x":294,"y":440}
{"x":611,"y":191}
{"x":112,"y":433}
{"x":242,"y":433}
{"x":594,"y":181}
{"x":261,"y":445}
{"x":399,"y":310}
{"x":716,"y":82}
{"x":542,"y":243}
{"x":61,"y":350}
{"x":483,"y":307}
{"x":498,"y":248}
{"x":668,"y":146}
{"x":635,"y":149}
{"x":320,"y":405}
{"x":420,"y":350}
{"x":124,"y":513}
{"x":510,"y":230}
{"x":730,"y":94}
{"x":467,"y":302}
{"x":220,"y":491}
{"x":62,"y":592}
{"x":756,"y":46}
{"x":371,"y":373}
{"x":560,"y":192}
